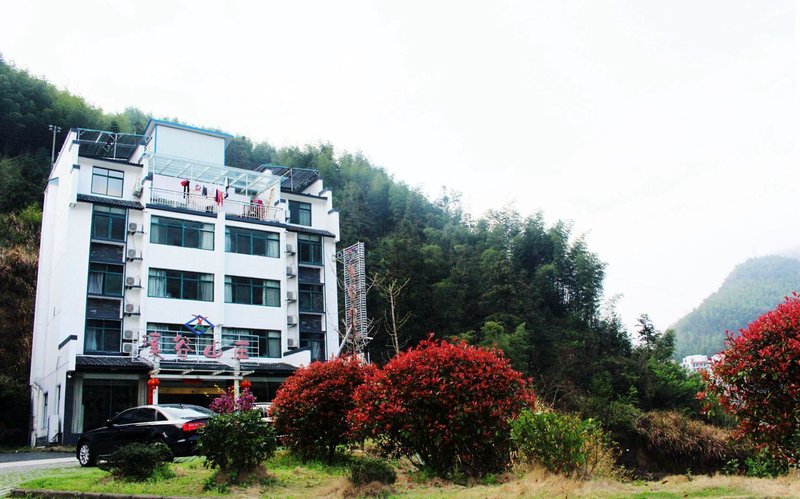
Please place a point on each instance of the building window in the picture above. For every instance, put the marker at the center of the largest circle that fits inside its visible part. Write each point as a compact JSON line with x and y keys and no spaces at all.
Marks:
{"x":108,"y":223}
{"x":261,"y":343}
{"x":181,"y":284}
{"x":315,"y":343}
{"x":310,"y":298}
{"x":102,"y":336}
{"x":251,"y":291}
{"x":300,"y":213}
{"x":252,"y":242}
{"x":183,"y":233}
{"x":107,"y":182}
{"x":105,"y":279}
{"x":310,"y":249}
{"x":168,"y":332}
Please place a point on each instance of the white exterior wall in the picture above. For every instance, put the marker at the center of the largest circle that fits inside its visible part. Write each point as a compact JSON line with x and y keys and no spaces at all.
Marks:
{"x":172,"y":141}
{"x":59,"y":310}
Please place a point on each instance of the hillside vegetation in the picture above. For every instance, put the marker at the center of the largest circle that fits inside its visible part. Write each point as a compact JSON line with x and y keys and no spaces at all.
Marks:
{"x":509,"y":280}
{"x":752,"y":288}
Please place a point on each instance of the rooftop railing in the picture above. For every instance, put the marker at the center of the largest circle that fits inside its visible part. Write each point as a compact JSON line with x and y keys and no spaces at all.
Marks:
{"x":207,"y":204}
{"x":185,"y":200}
{"x":254,"y":211}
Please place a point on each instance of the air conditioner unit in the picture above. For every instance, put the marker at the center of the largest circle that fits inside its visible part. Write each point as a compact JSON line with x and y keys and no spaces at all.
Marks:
{"x":128,"y":335}
{"x":290,"y":248}
{"x":290,"y":296}
{"x":134,"y":255}
{"x":133,"y":282}
{"x":290,"y":272}
{"x":131,"y":309}
{"x":138,"y":191}
{"x":133,"y":227}
{"x":291,"y":342}
{"x":128,"y":348}
{"x":291,"y":320}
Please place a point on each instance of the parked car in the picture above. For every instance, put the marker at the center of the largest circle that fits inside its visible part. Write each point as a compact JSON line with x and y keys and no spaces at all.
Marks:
{"x":263,"y":408}
{"x":175,"y":425}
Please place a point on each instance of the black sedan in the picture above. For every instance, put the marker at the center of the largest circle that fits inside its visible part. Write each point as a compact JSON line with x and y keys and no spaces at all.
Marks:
{"x":175,"y":425}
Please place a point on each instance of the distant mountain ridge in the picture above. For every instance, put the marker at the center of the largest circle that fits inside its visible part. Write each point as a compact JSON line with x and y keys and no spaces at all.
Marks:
{"x":752,"y":288}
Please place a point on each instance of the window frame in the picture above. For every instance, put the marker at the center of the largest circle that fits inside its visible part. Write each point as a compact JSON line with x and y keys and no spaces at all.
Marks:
{"x":270,"y":338}
{"x":112,"y":215}
{"x":108,"y":175}
{"x":311,"y":243}
{"x":297,"y":210}
{"x":305,"y":293}
{"x":236,"y":235}
{"x":159,"y":223}
{"x":105,"y":273}
{"x":105,"y":328}
{"x":169,"y":331}
{"x":269,"y":289}
{"x":308,"y":339}
{"x":184,"y":278}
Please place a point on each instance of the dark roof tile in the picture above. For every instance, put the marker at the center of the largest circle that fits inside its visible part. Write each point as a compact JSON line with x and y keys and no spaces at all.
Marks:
{"x":120,"y":203}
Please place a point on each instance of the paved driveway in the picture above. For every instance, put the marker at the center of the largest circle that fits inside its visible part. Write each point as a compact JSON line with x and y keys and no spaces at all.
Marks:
{"x":22,"y":466}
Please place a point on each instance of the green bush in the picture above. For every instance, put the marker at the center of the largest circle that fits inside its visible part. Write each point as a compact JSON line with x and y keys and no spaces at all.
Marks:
{"x":237,"y":442}
{"x":364,"y":471}
{"x":765,"y":465}
{"x":140,"y":462}
{"x":562,"y":443}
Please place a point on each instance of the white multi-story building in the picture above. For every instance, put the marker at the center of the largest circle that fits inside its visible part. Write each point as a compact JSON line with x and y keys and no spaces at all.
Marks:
{"x":696,"y":363}
{"x":158,"y":261}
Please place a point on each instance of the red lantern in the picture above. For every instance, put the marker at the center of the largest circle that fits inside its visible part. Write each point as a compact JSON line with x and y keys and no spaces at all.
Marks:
{"x":152,"y":384}
{"x":245,"y":384}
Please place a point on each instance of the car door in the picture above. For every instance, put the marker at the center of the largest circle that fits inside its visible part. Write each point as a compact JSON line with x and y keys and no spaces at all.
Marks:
{"x":108,"y":439}
{"x":141,"y":429}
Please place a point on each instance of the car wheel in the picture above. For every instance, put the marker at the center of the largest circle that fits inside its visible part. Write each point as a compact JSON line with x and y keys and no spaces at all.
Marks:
{"x":85,"y":454}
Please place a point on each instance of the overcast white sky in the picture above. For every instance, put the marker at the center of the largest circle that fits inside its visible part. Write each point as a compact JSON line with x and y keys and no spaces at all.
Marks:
{"x":666,"y":131}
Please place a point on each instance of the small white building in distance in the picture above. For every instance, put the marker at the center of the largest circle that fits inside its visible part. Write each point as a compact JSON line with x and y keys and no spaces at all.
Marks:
{"x":696,"y":363}
{"x":159,"y":262}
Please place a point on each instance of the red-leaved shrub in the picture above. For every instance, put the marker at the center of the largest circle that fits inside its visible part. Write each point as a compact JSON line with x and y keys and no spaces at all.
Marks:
{"x":758,"y":380}
{"x":310,"y":408}
{"x":445,"y":406}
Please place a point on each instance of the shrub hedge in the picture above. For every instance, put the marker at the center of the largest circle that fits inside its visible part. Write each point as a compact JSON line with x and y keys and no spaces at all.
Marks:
{"x":446,"y":406}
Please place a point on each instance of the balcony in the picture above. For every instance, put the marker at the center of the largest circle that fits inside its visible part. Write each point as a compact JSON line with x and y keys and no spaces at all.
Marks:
{"x":208,"y":205}
{"x":253,"y":211}
{"x":187,"y":201}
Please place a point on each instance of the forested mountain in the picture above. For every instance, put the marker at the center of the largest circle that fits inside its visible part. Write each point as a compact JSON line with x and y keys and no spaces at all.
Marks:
{"x":507,"y":280}
{"x":752,"y":288}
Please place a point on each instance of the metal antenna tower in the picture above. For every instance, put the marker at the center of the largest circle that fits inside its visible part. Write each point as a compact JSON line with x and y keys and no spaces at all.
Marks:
{"x":357,"y":325}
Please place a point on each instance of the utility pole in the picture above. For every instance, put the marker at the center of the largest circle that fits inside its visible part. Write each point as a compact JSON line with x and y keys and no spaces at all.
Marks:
{"x":55,"y":130}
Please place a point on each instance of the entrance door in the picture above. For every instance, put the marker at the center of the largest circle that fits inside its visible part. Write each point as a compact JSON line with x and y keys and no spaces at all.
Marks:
{"x":103,"y":399}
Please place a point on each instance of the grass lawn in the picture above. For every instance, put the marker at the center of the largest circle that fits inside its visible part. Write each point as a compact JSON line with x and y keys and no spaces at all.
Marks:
{"x":289,"y":477}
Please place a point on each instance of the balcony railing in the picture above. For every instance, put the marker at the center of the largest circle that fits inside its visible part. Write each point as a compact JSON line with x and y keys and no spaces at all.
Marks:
{"x":207,"y":204}
{"x":255,"y":211}
{"x":187,"y":201}
{"x":193,"y":346}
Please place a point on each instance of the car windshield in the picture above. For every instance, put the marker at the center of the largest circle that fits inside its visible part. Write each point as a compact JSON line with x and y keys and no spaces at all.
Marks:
{"x":186,"y":412}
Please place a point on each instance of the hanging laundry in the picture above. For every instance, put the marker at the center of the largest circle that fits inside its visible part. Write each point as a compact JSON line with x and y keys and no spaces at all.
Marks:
{"x":205,"y":191}
{"x":185,"y":184}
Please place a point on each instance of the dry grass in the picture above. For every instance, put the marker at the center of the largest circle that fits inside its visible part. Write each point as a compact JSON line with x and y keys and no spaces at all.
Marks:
{"x":540,"y":483}
{"x":686,"y":440}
